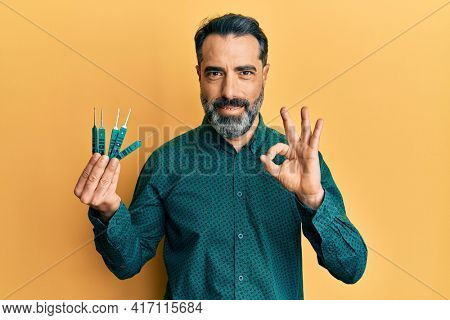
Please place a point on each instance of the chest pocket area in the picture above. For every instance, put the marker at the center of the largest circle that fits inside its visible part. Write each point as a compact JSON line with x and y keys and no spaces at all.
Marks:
{"x":273,"y":206}
{"x":200,"y":204}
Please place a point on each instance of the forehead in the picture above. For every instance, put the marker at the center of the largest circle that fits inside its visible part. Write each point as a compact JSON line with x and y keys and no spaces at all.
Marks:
{"x":218,"y":49}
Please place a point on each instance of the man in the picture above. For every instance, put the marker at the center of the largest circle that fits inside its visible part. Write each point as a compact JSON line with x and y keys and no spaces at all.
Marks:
{"x":232,"y":195}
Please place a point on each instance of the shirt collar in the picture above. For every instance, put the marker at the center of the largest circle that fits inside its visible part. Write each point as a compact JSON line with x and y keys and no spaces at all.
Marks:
{"x":211,"y":137}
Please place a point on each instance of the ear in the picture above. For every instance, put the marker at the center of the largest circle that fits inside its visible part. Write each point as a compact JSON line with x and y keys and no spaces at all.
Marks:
{"x":198,"y":72}
{"x":265,"y":71}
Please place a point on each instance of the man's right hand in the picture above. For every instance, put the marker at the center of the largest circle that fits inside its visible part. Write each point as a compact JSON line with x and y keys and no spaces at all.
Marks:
{"x":97,"y":185}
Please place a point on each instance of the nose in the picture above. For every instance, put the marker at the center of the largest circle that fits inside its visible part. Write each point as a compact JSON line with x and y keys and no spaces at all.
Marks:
{"x":229,"y":87}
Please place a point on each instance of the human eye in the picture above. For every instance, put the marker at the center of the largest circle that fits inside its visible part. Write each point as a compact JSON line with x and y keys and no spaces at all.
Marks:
{"x":247,"y":73}
{"x":214,"y":74}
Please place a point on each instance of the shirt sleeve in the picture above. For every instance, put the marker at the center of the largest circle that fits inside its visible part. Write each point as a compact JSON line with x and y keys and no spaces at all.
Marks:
{"x":339,"y":246}
{"x":131,"y":236}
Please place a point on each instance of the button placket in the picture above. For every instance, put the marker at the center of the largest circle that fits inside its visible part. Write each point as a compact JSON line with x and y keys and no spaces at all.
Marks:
{"x":240,"y":216}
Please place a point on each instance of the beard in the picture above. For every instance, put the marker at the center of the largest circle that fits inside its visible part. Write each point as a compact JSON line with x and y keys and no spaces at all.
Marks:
{"x":231,"y":126}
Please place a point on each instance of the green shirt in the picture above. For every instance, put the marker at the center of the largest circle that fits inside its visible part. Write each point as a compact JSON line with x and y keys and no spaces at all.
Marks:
{"x":232,"y":230}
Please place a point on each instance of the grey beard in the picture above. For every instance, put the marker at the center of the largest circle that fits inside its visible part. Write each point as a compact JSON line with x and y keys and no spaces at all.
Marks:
{"x":232,"y":126}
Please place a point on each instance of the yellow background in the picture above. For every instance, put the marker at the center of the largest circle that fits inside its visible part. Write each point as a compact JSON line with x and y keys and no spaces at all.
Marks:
{"x":385,"y":136}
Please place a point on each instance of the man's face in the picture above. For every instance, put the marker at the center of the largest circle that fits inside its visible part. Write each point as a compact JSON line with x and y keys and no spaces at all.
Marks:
{"x":232,"y":82}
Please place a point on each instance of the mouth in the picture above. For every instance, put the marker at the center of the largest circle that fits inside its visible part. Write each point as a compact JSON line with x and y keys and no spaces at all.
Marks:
{"x":230,"y":107}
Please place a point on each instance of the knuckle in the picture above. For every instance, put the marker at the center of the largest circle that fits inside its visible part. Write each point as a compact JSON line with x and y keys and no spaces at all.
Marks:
{"x":104,"y":181}
{"x":85,"y":173}
{"x":92,"y":178}
{"x":95,"y":202}
{"x":84,"y":199}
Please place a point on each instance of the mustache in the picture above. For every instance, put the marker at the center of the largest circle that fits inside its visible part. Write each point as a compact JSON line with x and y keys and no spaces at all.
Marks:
{"x":235,"y":102}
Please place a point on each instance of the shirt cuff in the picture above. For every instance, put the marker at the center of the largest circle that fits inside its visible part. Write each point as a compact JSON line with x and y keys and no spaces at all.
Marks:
{"x":99,"y":225}
{"x":323,"y":215}
{"x":309,"y":211}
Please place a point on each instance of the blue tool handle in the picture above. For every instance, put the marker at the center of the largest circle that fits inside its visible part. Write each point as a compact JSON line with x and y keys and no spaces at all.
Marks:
{"x":101,"y":140}
{"x":118,"y":142}
{"x":114,"y":133}
{"x":94,"y":140}
{"x":122,"y":154}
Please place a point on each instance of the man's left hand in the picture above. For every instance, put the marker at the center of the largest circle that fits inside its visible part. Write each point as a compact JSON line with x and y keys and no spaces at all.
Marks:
{"x":300,"y":171}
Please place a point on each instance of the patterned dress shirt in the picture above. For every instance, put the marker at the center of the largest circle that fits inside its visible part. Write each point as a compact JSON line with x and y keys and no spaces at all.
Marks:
{"x":232,"y":231}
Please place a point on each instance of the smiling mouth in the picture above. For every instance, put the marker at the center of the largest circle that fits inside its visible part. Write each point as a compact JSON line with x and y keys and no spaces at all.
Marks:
{"x":230,"y":107}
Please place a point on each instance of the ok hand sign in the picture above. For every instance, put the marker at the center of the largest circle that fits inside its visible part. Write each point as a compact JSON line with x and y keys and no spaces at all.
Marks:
{"x":300,"y":171}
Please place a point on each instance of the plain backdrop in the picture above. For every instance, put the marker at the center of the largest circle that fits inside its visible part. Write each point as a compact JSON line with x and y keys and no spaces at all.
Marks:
{"x":378,"y":73}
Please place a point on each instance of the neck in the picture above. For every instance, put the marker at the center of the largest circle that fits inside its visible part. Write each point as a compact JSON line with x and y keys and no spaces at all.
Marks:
{"x":241,"y":141}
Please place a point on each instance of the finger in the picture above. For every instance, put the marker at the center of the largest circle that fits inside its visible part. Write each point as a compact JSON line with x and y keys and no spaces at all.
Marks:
{"x":270,"y":166}
{"x":279,"y":148}
{"x":104,"y":182}
{"x":289,"y":127}
{"x":113,"y":186}
{"x":266,"y":159}
{"x":85,"y":174}
{"x":93,"y":179}
{"x":306,"y":126}
{"x":315,"y":138}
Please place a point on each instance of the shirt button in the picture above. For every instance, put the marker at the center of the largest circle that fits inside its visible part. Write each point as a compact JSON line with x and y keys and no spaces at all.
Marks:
{"x":240,"y":235}
{"x":239,"y":194}
{"x":241,"y":278}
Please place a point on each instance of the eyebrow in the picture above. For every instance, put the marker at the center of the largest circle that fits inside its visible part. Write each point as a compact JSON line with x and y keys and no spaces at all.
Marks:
{"x":239,"y":68}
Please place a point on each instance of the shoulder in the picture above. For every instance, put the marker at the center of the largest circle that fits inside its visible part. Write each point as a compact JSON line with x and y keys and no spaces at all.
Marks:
{"x":275,"y":136}
{"x":172,"y":150}
{"x":178,"y":143}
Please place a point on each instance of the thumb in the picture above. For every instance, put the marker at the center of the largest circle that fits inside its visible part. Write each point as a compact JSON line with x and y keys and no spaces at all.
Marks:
{"x":270,"y":166}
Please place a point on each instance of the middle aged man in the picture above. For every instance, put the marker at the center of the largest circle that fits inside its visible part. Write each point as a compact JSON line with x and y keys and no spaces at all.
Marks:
{"x":232,"y":195}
